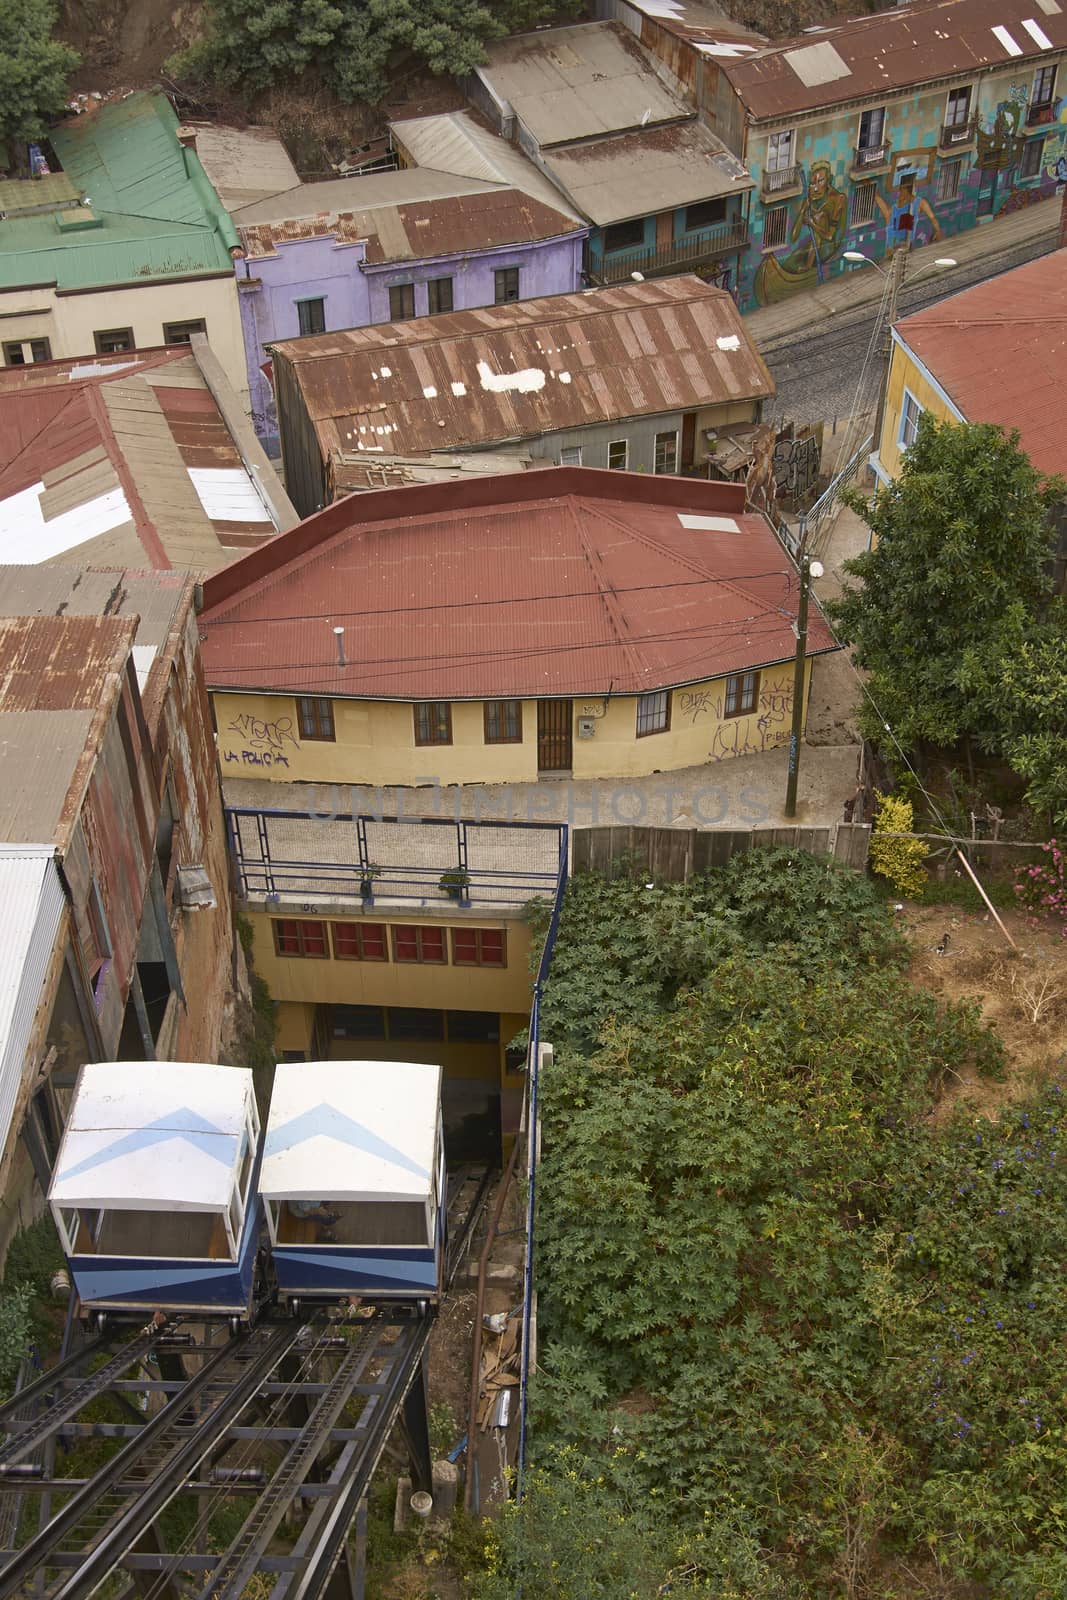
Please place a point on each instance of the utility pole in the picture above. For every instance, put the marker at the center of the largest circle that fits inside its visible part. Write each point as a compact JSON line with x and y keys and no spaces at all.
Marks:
{"x":808,"y":569}
{"x":896,"y":283}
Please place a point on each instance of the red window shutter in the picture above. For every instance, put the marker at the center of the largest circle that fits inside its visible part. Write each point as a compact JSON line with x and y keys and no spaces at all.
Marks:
{"x":433,"y":944}
{"x":492,"y":947}
{"x":314,"y":938}
{"x":464,"y":947}
{"x":373,"y":943}
{"x":406,"y":944}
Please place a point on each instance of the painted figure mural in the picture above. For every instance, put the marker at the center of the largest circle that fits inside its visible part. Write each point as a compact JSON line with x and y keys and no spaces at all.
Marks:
{"x":817,"y":234}
{"x":901,"y":202}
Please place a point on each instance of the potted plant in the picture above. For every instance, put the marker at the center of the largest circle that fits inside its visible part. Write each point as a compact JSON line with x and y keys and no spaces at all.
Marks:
{"x":455,"y":883}
{"x":366,"y":882}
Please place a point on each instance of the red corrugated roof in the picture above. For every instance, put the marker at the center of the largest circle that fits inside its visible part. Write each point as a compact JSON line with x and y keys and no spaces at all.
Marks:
{"x":61,"y":663}
{"x":565,"y":582}
{"x":999,"y":351}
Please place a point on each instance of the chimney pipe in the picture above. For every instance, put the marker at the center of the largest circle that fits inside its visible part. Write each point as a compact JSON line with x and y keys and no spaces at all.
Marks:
{"x":339,"y":635}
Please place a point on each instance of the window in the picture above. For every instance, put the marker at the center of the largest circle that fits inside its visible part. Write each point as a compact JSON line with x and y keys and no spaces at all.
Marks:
{"x":958,"y":109}
{"x":863,"y":204}
{"x":1044,"y":86}
{"x":97,"y":949}
{"x":948,"y":180}
{"x":479,"y":947}
{"x":411,"y":1022}
{"x":780,"y":151}
{"x":872,"y":127}
{"x":909,"y":421}
{"x":182,"y":332}
{"x":705,"y":214}
{"x":503,"y":722}
{"x":1033,"y":152}
{"x":316,"y":717}
{"x":742,"y":693}
{"x":433,"y":722}
{"x":401,"y":301}
{"x":293,"y":938}
{"x":360,"y":941}
{"x":473,"y":1027}
{"x":570,"y":455}
{"x":21,"y":352}
{"x":312,"y":314}
{"x":625,"y":235}
{"x":666,"y":452}
{"x":439,"y":292}
{"x":109,"y":341}
{"x":618,"y":455}
{"x":357,"y":1022}
{"x":423,"y":945}
{"x":507,"y":284}
{"x":653,"y":713}
{"x":775,"y":227}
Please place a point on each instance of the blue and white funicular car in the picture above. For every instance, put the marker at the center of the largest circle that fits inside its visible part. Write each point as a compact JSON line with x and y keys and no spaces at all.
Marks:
{"x":353,"y":1180}
{"x":153,"y":1188}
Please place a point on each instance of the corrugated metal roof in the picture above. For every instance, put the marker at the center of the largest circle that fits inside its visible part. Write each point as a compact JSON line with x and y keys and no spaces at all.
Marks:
{"x":893,"y":50}
{"x":34,"y":906}
{"x":460,"y":143}
{"x":348,"y":195}
{"x":351,"y":473}
{"x":41,"y":754}
{"x":517,"y":371}
{"x":96,"y":456}
{"x":157,"y":215}
{"x":152,"y":599}
{"x":60,"y":663}
{"x":242,"y":164}
{"x":655,"y":169}
{"x":999,"y":350}
{"x":574,"y":83}
{"x":564,"y":582}
{"x":465,"y":222}
{"x":701,"y":24}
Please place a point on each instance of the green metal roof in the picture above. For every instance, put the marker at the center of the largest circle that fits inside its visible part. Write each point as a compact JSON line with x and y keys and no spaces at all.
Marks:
{"x":153,"y":212}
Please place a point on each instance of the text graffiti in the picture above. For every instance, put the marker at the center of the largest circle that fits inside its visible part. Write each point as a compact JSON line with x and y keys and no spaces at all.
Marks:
{"x":257,"y":758}
{"x":261,"y":735}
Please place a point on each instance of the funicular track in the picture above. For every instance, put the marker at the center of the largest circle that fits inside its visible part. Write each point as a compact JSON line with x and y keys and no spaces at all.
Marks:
{"x":292,"y":1415}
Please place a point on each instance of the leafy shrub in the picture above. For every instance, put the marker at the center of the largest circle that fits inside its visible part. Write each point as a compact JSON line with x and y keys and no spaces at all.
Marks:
{"x":15,"y":1334}
{"x":899,"y":860}
{"x":1042,"y":889}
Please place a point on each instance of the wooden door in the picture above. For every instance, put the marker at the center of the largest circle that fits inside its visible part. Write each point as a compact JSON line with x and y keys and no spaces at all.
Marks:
{"x":555,"y":724}
{"x":689,"y":438}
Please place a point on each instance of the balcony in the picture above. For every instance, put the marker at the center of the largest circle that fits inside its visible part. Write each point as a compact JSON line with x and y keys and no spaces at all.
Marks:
{"x":1039,"y":113}
{"x":781,"y":184}
{"x":957,"y":136}
{"x":870,"y":158}
{"x":688,"y":252}
{"x":304,"y":859}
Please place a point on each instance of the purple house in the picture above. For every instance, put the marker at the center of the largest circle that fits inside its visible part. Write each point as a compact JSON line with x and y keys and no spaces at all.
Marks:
{"x":416,"y":242}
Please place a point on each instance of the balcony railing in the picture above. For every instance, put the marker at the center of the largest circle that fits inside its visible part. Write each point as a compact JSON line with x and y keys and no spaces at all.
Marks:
{"x":958,"y":135}
{"x":299,"y":858}
{"x":866,"y":157}
{"x":1039,"y":111}
{"x":784,"y":181}
{"x":694,"y":248}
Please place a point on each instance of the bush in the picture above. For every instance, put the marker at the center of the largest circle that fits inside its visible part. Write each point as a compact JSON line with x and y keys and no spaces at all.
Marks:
{"x":899,"y":860}
{"x":1042,"y":890}
{"x":15,"y":1334}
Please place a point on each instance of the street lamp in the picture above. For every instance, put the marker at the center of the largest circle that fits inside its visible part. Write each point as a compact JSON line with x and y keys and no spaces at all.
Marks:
{"x":895,"y":280}
{"x":809,"y":569}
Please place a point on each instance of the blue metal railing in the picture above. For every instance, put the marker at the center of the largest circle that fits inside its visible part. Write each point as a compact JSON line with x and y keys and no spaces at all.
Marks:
{"x":303,"y":857}
{"x":533,"y":1140}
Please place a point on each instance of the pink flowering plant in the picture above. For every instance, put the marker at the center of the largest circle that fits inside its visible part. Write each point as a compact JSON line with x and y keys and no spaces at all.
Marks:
{"x":1042,"y":888}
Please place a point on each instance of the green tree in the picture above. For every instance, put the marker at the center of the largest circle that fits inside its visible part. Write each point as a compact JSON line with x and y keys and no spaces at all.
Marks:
{"x":960,"y":538}
{"x":34,"y":69}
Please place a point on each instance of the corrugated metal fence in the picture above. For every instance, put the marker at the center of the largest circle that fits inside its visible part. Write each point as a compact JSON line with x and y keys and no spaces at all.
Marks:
{"x":675,"y":854}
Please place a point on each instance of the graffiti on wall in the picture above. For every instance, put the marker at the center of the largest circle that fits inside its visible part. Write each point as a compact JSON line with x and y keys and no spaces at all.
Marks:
{"x":815,"y":237}
{"x":264,"y":741}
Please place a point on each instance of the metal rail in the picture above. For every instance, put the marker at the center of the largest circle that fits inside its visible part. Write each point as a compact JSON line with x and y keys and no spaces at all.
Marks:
{"x":29,"y":1437}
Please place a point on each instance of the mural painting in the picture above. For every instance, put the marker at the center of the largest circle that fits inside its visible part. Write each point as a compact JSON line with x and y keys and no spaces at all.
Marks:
{"x":903,"y":210}
{"x":817,"y":234}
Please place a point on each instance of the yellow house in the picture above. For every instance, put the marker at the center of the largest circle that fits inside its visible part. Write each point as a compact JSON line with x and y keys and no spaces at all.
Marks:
{"x":566,"y":622}
{"x":126,"y":246}
{"x":992,"y":353}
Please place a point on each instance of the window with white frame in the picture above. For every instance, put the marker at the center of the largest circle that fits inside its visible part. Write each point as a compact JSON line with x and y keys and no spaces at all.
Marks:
{"x":1044,"y":85}
{"x":618,"y":454}
{"x":872,"y":127}
{"x":570,"y":455}
{"x":863,"y":196}
{"x":1030,"y":165}
{"x":666,"y":454}
{"x":775,"y":227}
{"x":948,"y":180}
{"x":909,"y":420}
{"x":958,"y":108}
{"x":780,"y":151}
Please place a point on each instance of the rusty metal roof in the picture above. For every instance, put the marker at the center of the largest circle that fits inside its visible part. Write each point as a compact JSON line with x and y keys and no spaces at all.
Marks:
{"x":517,"y":371}
{"x":702,"y":25}
{"x":121,"y":460}
{"x":351,"y":473}
{"x":568,"y":581}
{"x":999,"y":351}
{"x":474,"y":217}
{"x":893,"y":50}
{"x":653,"y":169}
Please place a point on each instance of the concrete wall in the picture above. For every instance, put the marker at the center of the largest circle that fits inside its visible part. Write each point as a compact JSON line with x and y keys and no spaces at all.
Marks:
{"x":357,"y":295}
{"x":990,"y":177}
{"x":258,"y":736}
{"x":68,"y":321}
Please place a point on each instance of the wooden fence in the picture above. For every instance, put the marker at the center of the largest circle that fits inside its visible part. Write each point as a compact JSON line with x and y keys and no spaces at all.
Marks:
{"x":675,"y":854}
